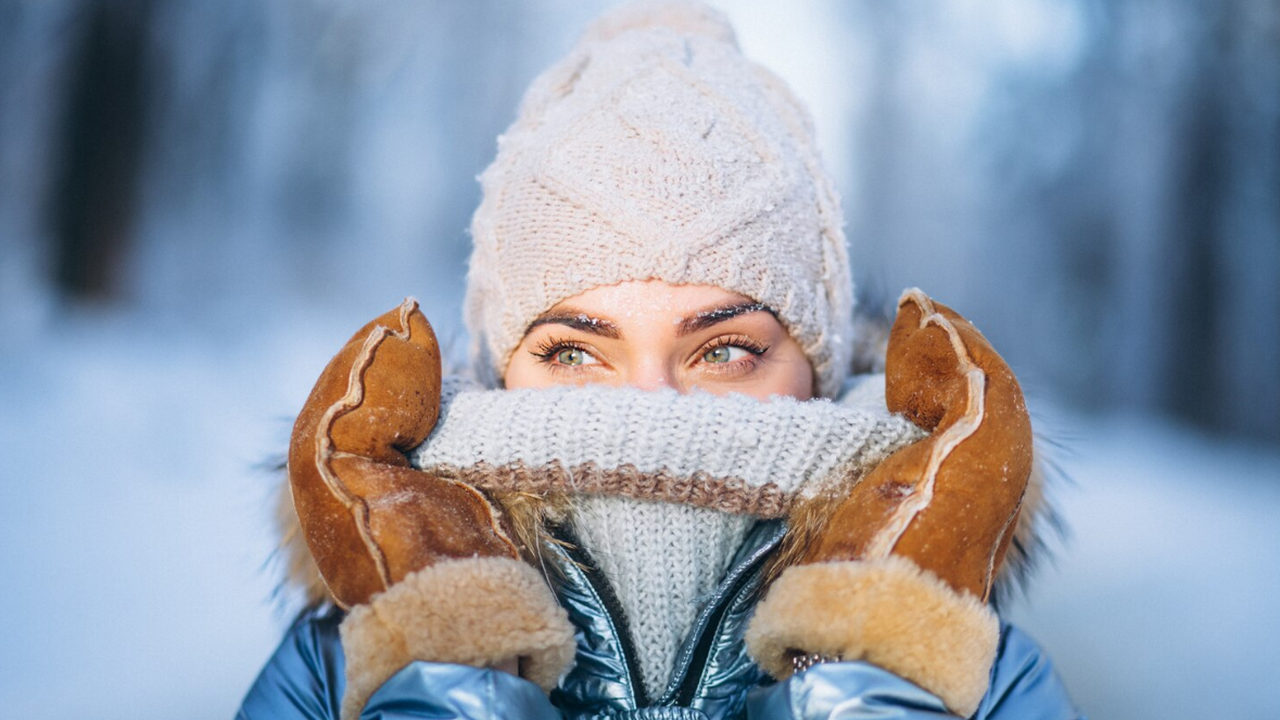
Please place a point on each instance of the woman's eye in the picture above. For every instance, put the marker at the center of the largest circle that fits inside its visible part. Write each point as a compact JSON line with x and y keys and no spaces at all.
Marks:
{"x":574,"y":356}
{"x":725,"y":354}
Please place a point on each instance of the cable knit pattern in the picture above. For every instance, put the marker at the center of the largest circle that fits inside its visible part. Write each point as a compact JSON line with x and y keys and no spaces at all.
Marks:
{"x":730,"y":453}
{"x":656,"y":150}
{"x":663,"y":485}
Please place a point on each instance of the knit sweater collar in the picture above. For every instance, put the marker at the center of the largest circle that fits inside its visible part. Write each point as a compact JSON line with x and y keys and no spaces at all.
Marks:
{"x":729,"y":453}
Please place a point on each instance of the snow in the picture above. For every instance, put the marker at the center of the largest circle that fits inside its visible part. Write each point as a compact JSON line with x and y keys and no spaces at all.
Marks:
{"x":136,"y":536}
{"x":1163,"y":603}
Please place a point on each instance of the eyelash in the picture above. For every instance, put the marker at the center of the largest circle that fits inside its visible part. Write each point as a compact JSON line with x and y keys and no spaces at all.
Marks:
{"x":547,"y":349}
{"x":756,"y":349}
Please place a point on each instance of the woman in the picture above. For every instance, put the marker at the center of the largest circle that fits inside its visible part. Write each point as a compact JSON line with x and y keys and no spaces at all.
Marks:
{"x":650,"y":506}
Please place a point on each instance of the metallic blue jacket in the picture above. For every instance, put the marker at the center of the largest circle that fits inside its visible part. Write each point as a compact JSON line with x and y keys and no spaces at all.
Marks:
{"x":714,"y":679}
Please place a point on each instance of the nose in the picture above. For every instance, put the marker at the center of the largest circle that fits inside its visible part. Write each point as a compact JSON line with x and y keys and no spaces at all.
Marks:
{"x":650,"y":374}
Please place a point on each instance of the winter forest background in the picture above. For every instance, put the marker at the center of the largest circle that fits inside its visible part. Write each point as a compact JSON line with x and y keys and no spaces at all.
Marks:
{"x":201,"y":199}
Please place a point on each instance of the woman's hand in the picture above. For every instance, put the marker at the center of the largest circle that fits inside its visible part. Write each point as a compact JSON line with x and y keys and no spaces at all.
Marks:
{"x":425,"y":564}
{"x":369,"y":518}
{"x":950,"y":501}
{"x":901,"y":568}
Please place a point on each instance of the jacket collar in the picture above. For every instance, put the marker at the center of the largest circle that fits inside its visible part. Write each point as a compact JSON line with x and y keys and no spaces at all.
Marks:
{"x":712,"y":664}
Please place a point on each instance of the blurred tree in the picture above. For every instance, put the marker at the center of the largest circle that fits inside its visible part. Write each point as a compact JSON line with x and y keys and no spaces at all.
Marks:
{"x":94,"y":194}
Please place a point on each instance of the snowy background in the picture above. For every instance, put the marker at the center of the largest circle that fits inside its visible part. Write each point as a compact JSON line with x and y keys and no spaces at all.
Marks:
{"x":201,"y":199}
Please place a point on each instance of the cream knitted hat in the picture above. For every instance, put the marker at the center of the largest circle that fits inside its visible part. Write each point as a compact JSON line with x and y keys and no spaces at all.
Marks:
{"x":655,"y":150}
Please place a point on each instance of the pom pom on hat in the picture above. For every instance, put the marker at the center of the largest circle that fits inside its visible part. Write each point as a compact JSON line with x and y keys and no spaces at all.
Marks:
{"x":685,"y":18}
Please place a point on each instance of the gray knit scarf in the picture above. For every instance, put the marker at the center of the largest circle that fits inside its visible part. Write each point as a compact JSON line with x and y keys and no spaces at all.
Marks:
{"x":664,"y":486}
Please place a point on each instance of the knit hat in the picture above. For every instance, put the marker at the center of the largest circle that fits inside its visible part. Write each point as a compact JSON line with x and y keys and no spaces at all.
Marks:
{"x":655,"y":150}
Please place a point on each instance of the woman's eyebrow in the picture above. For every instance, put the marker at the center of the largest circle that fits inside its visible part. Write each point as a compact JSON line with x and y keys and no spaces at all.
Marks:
{"x":577,"y":321}
{"x":706,"y":318}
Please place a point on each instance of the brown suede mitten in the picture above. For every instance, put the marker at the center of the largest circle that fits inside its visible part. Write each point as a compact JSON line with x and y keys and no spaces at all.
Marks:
{"x":902,"y":568}
{"x":425,"y":564}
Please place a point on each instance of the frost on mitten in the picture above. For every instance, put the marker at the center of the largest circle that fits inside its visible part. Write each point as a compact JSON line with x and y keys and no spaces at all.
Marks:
{"x":425,"y":564}
{"x":901,"y":568}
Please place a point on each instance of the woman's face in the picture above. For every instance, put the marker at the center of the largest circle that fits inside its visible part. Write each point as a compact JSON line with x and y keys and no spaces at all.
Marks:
{"x":651,"y":335}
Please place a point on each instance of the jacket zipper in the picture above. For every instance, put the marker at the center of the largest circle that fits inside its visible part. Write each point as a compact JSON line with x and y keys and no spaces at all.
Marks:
{"x":694,"y":670}
{"x":612,"y":606}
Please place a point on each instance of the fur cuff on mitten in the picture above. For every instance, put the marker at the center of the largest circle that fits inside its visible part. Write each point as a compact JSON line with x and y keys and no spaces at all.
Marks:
{"x":888,"y":612}
{"x":474,"y":611}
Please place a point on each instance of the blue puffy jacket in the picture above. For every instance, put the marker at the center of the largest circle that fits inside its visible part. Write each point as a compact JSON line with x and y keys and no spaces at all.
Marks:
{"x":714,"y":678}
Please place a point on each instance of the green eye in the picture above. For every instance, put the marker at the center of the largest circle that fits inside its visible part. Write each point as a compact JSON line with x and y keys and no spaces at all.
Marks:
{"x":574,"y":357}
{"x":723,"y":354}
{"x":571,"y":356}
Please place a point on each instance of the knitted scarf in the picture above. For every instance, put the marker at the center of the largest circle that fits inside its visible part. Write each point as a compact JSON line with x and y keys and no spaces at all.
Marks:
{"x":662,"y":486}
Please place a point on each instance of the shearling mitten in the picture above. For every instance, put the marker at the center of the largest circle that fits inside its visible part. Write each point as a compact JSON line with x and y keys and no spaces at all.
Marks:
{"x":426,"y":565}
{"x":900,"y":571}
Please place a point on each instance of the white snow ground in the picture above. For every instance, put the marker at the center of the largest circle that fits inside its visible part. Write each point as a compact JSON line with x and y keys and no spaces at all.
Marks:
{"x":1164,"y":602}
{"x":135,"y":530}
